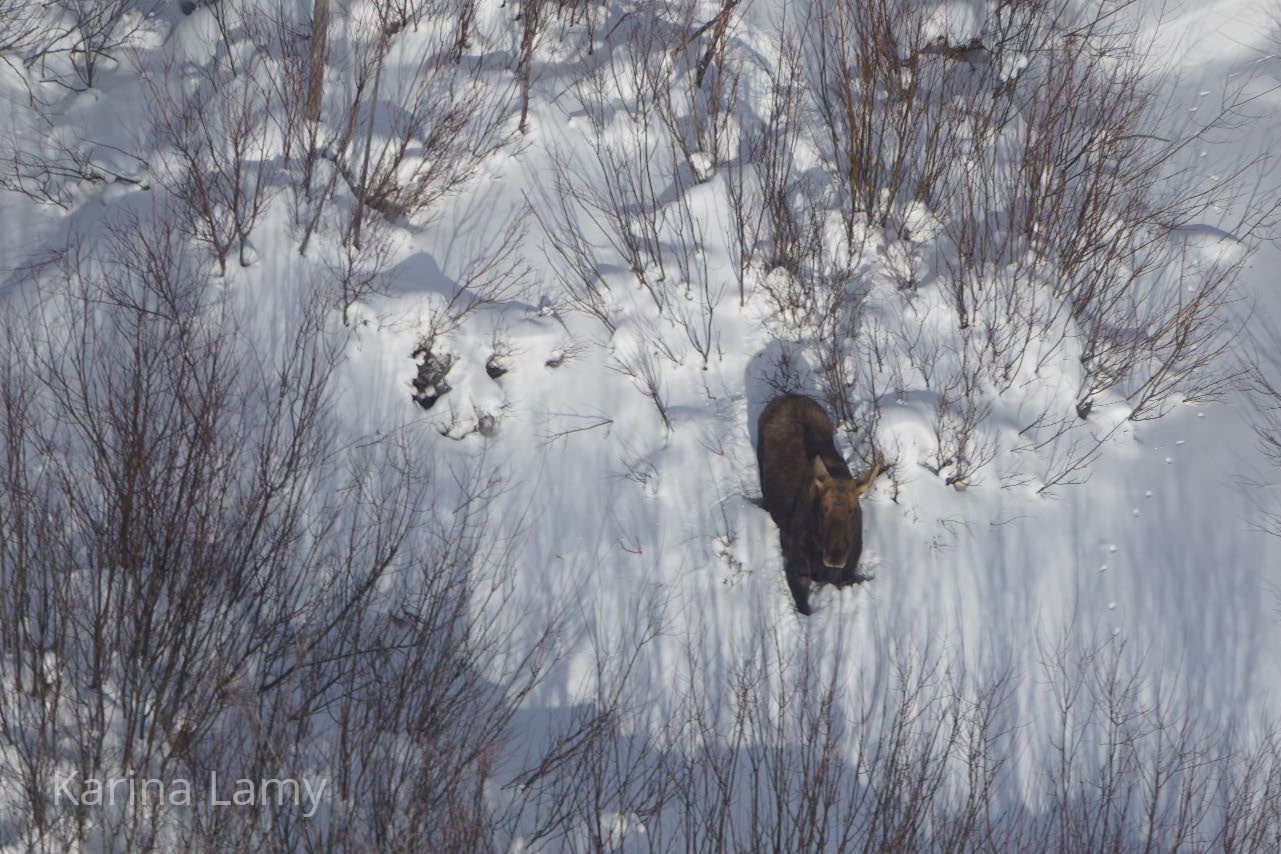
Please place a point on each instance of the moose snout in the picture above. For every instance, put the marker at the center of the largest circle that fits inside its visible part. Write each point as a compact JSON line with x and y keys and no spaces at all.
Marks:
{"x":834,"y":561}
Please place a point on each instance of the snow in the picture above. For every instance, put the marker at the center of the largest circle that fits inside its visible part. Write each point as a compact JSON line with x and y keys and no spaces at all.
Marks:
{"x":608,"y":508}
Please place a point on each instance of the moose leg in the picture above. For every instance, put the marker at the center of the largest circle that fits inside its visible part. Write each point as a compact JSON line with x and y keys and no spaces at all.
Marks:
{"x":800,"y":587}
{"x":798,"y":583}
{"x":797,"y":570}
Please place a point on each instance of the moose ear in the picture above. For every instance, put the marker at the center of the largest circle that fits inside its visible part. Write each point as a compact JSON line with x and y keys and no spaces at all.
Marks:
{"x":866,"y":483}
{"x":821,"y":475}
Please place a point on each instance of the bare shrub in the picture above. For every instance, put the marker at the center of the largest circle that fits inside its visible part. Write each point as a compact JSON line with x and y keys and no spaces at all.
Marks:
{"x":218,"y":157}
{"x":359,"y":269}
{"x":48,"y":154}
{"x":1102,"y":200}
{"x":294,"y":49}
{"x":592,"y":772}
{"x":780,"y":211}
{"x":787,"y":750}
{"x":200,"y":578}
{"x":403,"y":142}
{"x":54,"y":163}
{"x":651,"y":136}
{"x":696,"y":314}
{"x":961,"y":449}
{"x":639,"y":362}
{"x":446,"y":122}
{"x":19,"y":25}
{"x":534,"y":20}
{"x":1065,"y":236}
{"x":620,"y":195}
{"x":497,"y":273}
{"x":882,"y":102}
{"x":761,"y":179}
{"x":91,"y":32}
{"x":700,"y":102}
{"x":1263,"y":392}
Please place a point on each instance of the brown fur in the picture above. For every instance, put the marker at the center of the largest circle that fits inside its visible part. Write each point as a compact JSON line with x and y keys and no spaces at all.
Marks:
{"x":809,"y":491}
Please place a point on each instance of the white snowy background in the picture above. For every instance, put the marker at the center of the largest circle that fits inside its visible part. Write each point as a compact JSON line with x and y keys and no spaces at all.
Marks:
{"x":610,"y":518}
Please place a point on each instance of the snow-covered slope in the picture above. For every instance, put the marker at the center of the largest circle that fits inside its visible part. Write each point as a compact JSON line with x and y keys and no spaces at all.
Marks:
{"x":625,"y":478}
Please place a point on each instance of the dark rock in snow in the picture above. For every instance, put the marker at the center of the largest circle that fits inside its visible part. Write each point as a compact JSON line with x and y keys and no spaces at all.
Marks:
{"x":430,"y":385}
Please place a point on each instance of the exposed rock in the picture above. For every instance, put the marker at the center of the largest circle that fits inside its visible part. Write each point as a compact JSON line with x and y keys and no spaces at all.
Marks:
{"x":430,"y":385}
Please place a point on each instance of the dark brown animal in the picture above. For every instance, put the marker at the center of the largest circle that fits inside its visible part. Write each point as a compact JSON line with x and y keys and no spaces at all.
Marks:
{"x":809,"y":491}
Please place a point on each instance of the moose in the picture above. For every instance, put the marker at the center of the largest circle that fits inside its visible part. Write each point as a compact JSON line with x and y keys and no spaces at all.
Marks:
{"x":809,"y":492}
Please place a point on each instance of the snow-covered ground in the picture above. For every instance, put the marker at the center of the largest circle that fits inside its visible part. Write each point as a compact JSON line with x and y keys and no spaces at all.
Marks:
{"x":610,"y":516}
